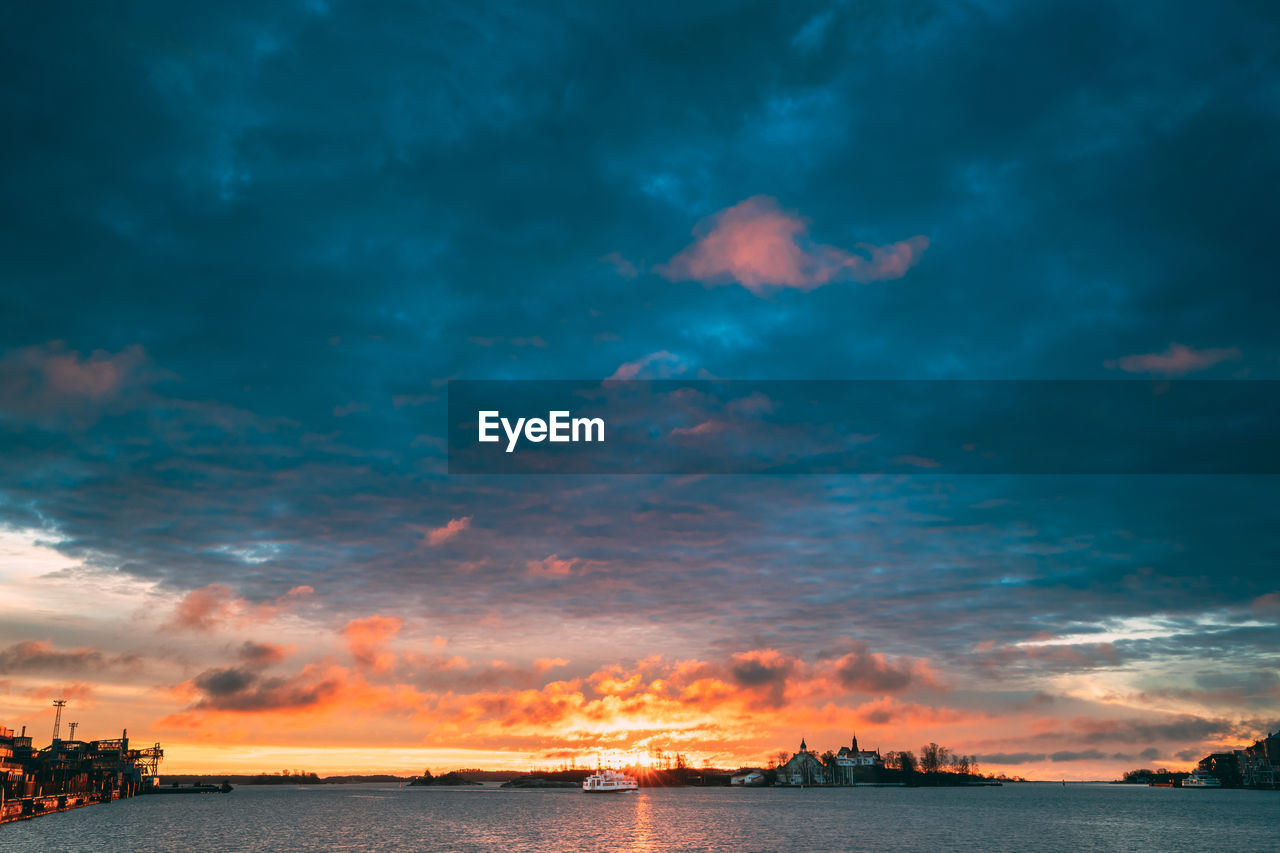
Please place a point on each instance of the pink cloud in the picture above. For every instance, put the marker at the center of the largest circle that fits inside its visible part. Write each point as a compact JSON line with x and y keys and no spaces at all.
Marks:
{"x":203,"y":608}
{"x":704,"y":428}
{"x":758,"y":245}
{"x":661,"y":363}
{"x":41,"y":379}
{"x":917,"y":461}
{"x":1268,"y":602}
{"x":1177,"y":360}
{"x":443,"y":534}
{"x":97,"y":376}
{"x":754,"y":403}
{"x":209,"y":607}
{"x":552,"y":566}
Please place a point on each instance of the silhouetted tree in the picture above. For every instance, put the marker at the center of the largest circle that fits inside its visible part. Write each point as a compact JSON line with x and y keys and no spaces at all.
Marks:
{"x":930,"y":758}
{"x":828,"y":760}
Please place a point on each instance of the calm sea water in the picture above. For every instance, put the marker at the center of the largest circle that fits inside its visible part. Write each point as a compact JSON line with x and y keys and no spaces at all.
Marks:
{"x":384,"y":817}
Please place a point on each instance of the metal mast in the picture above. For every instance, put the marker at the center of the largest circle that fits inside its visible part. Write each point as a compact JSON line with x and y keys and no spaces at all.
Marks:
{"x":57,"y":717}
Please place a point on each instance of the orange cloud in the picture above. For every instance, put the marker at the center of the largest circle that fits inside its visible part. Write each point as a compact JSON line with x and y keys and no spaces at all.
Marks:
{"x":764,"y":672}
{"x":738,"y":709}
{"x":219,"y":699}
{"x":78,"y":693}
{"x":543,"y":664}
{"x":758,"y":245}
{"x":367,"y":639}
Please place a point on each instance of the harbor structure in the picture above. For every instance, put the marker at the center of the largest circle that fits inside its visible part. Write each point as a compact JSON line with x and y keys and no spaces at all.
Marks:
{"x":68,"y":774}
{"x":1254,"y":766}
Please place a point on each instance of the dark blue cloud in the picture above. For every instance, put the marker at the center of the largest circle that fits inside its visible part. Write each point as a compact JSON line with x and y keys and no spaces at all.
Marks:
{"x":298,"y":220}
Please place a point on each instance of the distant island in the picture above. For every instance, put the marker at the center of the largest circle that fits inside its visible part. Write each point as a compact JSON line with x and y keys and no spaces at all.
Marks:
{"x":454,"y":777}
{"x":286,"y":777}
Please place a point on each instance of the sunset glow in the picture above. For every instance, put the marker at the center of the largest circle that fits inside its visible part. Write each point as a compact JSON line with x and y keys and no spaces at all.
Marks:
{"x":251,"y":256}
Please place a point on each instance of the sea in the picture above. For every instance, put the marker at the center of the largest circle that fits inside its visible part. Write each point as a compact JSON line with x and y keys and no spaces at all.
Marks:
{"x":1016,"y":817}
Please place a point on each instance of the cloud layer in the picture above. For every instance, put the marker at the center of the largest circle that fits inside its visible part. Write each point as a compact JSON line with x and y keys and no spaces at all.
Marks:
{"x":230,"y":308}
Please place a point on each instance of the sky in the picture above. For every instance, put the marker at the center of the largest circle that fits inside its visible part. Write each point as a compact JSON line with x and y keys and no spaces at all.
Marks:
{"x":246,"y":248}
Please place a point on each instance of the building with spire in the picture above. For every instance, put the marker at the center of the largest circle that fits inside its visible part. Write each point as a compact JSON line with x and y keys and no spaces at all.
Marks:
{"x":806,"y":768}
{"x":803,"y":768}
{"x":850,"y":758}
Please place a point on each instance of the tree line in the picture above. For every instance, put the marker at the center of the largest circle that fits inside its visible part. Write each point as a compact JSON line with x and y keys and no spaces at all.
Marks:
{"x":933,"y":759}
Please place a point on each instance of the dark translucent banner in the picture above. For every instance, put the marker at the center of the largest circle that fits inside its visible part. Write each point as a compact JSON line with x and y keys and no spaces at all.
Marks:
{"x":864,"y":427}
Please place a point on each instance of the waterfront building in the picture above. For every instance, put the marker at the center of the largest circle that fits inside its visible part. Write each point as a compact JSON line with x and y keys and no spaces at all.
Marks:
{"x":1256,"y":766}
{"x":749,"y":779}
{"x":1223,"y":766}
{"x":803,"y":768}
{"x":850,"y":758}
{"x":1258,"y":763}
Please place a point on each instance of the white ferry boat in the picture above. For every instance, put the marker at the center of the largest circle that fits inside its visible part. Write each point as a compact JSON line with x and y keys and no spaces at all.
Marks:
{"x":609,"y":782}
{"x":1201,"y":779}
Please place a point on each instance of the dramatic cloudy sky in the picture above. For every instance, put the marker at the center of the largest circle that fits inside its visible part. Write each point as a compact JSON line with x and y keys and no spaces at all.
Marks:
{"x":245,"y":248}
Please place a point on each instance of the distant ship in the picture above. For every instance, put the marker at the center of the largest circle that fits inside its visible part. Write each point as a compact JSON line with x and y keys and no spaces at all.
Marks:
{"x":609,"y":782}
{"x":1201,"y":779}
